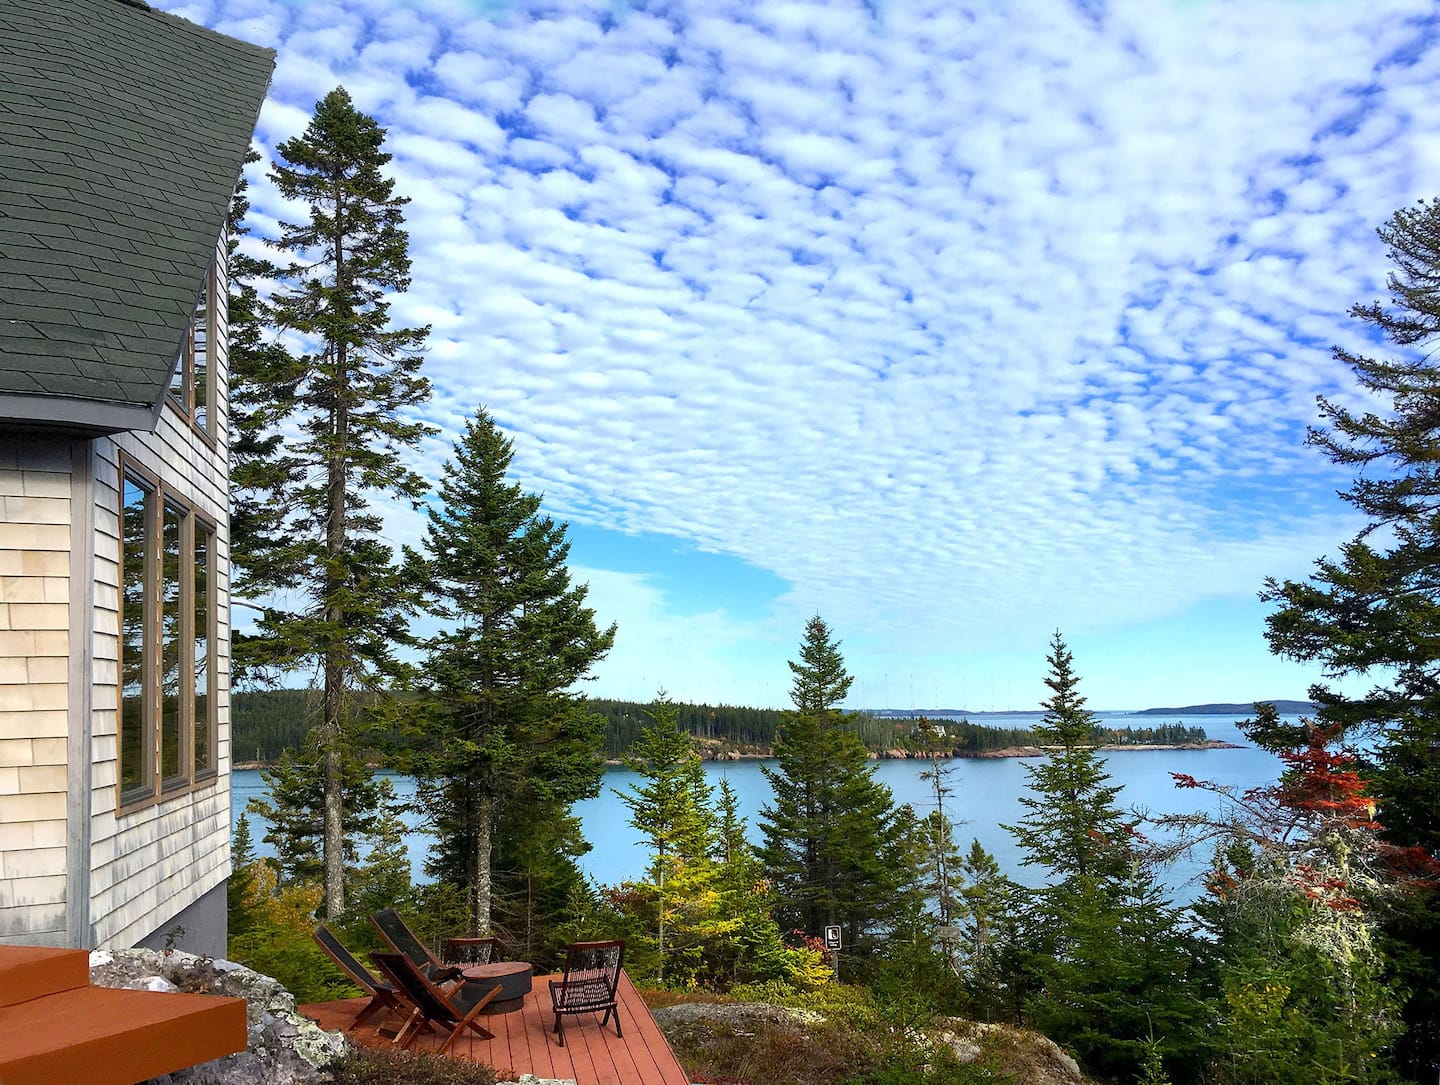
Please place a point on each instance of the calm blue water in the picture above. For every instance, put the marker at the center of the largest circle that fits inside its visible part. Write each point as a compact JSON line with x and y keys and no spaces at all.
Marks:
{"x":986,"y":796}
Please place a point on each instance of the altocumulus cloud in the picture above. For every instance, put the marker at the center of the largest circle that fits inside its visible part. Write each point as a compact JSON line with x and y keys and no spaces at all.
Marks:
{"x":1016,"y":313}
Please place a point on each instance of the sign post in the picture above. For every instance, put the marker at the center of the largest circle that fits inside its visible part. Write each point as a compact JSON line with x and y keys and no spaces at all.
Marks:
{"x":832,"y":946}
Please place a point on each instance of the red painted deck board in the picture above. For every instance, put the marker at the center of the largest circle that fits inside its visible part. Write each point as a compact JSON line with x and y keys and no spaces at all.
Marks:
{"x":56,"y":1029}
{"x":525,"y":1043}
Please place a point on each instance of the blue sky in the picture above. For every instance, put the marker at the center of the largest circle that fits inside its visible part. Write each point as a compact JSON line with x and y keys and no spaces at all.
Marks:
{"x":957,"y":324}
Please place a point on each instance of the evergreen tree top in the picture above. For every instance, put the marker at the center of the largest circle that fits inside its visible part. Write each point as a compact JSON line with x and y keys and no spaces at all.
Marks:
{"x":821,"y":681}
{"x":1406,"y":440}
{"x":1067,"y":722}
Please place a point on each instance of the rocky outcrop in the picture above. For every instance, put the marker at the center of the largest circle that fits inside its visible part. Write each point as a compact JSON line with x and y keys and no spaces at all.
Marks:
{"x":1028,"y":1058}
{"x":1022,"y":1056}
{"x":285,"y":1047}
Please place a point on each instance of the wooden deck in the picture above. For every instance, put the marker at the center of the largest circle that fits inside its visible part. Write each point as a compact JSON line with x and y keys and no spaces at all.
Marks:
{"x":56,"y":1029}
{"x":525,"y":1044}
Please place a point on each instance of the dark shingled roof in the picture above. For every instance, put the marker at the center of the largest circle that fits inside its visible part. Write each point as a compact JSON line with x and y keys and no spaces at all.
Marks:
{"x":122,"y":134}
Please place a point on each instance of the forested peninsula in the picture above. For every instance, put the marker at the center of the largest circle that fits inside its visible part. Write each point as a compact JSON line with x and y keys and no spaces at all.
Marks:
{"x":266,"y":723}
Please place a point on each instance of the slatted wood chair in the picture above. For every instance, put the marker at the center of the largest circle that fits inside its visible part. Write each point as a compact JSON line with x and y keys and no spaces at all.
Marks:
{"x":455,"y":1008}
{"x":458,"y":952}
{"x":382,"y":994}
{"x":592,"y":972}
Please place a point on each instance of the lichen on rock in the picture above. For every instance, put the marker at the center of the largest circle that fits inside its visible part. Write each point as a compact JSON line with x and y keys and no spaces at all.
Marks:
{"x":285,"y":1047}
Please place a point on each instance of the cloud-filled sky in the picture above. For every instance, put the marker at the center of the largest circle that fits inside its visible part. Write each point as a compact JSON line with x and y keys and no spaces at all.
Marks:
{"x":955,"y":323}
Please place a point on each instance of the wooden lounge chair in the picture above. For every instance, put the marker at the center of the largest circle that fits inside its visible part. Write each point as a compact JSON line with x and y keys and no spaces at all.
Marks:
{"x":592,"y":972}
{"x":456,"y":1007}
{"x":459,"y":952}
{"x":382,"y":994}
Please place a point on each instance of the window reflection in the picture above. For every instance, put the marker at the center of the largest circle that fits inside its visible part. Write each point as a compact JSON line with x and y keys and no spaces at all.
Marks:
{"x":136,"y":767}
{"x":190,"y":384}
{"x":171,"y":643}
{"x":167,"y":711}
{"x":204,"y":740}
{"x":200,"y":367}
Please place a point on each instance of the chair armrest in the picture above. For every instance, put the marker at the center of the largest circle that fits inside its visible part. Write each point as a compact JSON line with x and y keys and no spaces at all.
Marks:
{"x":445,"y":973}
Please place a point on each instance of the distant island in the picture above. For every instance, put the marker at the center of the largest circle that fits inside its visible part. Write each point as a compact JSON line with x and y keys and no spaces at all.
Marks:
{"x":1285,"y":708}
{"x":1239,"y":710}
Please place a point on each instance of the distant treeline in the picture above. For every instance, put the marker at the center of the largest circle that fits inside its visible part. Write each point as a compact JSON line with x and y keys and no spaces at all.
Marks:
{"x":964,"y":737}
{"x":737,"y":727}
{"x":268,"y":722}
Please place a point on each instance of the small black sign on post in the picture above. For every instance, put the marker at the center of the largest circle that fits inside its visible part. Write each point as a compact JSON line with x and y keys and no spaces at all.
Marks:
{"x":832,"y":947}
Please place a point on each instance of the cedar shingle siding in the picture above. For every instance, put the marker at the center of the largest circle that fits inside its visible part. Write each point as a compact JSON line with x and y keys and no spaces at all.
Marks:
{"x":122,"y":134}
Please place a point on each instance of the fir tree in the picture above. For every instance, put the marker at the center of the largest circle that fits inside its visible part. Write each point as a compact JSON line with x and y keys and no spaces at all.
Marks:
{"x":1073,"y":827}
{"x":671,"y":809}
{"x":242,"y":878}
{"x":754,"y":951}
{"x":992,"y":955}
{"x":1106,"y":950}
{"x":262,"y":381}
{"x":506,"y":727}
{"x":349,"y":404}
{"x":294,"y":810}
{"x":1374,"y":612}
{"x":384,"y":879}
{"x":836,"y":846}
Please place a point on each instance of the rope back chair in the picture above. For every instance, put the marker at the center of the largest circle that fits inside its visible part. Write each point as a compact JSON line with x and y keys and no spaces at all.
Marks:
{"x":592,"y":973}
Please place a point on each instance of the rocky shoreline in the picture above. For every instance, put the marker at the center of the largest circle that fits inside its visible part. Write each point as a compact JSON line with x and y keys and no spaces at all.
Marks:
{"x":899,"y":754}
{"x":715,"y":753}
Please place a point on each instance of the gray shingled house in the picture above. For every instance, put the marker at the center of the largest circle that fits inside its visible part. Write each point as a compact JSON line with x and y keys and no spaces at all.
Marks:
{"x":122,"y":134}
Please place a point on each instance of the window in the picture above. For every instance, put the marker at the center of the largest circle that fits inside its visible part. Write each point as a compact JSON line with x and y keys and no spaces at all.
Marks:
{"x":191,"y":387}
{"x":167,"y":691}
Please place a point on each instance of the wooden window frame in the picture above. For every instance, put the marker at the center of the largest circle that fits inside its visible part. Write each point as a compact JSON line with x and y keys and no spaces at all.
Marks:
{"x":181,"y":394}
{"x":160,"y":786}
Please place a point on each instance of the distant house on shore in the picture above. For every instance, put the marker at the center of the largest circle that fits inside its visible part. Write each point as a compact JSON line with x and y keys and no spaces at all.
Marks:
{"x":122,"y":134}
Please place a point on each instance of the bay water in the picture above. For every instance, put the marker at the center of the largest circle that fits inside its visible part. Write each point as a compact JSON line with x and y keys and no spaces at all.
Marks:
{"x":986,"y":796}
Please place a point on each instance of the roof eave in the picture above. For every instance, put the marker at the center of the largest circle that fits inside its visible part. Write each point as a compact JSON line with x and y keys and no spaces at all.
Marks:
{"x":74,"y":415}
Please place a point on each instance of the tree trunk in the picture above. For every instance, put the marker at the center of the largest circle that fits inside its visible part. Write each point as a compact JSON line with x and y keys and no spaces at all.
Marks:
{"x":333,"y":833}
{"x":660,"y":934}
{"x":332,"y":733}
{"x":480,"y":877}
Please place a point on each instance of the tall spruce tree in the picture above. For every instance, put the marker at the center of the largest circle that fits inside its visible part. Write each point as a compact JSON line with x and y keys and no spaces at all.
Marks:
{"x":1107,"y":953}
{"x":1072,"y":826}
{"x":262,"y":379}
{"x":508,"y":732}
{"x":835,"y":844}
{"x":336,"y":597}
{"x":1374,"y":612}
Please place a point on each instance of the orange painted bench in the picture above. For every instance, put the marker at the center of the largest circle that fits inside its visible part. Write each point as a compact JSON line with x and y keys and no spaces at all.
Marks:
{"x":56,"y":1029}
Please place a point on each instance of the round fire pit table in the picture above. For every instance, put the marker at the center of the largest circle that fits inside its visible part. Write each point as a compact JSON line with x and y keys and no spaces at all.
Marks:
{"x":514,"y":980}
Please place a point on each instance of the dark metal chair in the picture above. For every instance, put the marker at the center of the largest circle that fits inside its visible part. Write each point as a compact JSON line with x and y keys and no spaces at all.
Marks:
{"x":468,"y":951}
{"x":382,"y":994}
{"x":458,"y":952}
{"x":592,"y":972}
{"x":455,"y":1008}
